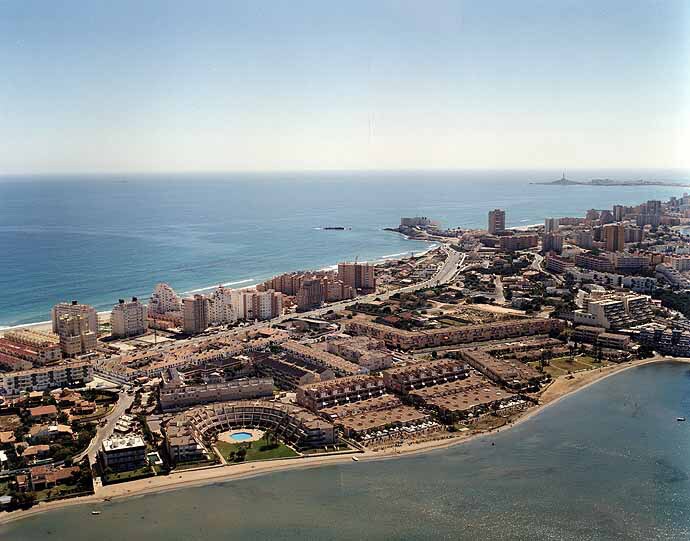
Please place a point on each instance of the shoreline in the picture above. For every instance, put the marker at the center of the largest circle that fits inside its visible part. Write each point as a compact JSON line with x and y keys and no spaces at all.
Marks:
{"x":554,"y":393}
{"x":252,"y":282}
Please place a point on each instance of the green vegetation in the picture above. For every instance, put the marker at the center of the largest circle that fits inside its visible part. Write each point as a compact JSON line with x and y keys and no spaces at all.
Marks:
{"x":569,"y":364}
{"x":116,"y":477}
{"x":257,"y":450}
{"x":676,"y":300}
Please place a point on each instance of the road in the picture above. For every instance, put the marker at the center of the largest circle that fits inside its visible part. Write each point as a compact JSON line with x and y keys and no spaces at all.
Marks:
{"x":450,"y":268}
{"x":124,"y":402}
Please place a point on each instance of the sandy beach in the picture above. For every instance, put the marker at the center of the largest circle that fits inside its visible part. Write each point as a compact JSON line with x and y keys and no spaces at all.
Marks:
{"x":559,"y":389}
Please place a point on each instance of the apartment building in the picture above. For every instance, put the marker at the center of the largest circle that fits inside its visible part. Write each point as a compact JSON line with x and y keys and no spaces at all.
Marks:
{"x":128,"y":319}
{"x":359,"y":276}
{"x":614,"y":311}
{"x":614,"y":237}
{"x":177,"y":392}
{"x":322,"y":359}
{"x":123,"y":453}
{"x":195,"y":314}
{"x":44,"y":378}
{"x":557,"y":264}
{"x":367,"y":352}
{"x":74,"y":308}
{"x":403,"y":379}
{"x":34,"y":346}
{"x":397,"y":338}
{"x":287,"y":375}
{"x":513,"y":243}
{"x":594,"y":262}
{"x":76,"y":337}
{"x":497,"y":221}
{"x":508,"y":372}
{"x":291,"y":424}
{"x":164,"y":300}
{"x":666,"y":340}
{"x":326,"y":394}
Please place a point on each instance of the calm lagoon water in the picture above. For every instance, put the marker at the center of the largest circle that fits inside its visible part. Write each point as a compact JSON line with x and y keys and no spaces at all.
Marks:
{"x":97,"y":239}
{"x":610,"y":462}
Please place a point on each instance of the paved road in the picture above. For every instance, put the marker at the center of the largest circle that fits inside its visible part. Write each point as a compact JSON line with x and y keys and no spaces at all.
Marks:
{"x":103,"y":433}
{"x":450,"y":268}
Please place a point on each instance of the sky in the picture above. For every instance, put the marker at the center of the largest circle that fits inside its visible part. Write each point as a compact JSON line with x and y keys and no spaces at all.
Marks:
{"x":157,"y":86}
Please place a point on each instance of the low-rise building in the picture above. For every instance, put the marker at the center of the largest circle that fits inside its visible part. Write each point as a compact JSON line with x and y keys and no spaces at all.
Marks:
{"x":123,"y":453}
{"x":291,"y":424}
{"x":403,"y":379}
{"x":320,"y":358}
{"x":65,"y":374}
{"x":176,"y":392}
{"x":398,"y":338}
{"x":326,"y":394}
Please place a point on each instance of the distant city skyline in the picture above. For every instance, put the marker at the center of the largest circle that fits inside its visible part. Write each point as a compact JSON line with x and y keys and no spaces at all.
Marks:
{"x":228,"y":86}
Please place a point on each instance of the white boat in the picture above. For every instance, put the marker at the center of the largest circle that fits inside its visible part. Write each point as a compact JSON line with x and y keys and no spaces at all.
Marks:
{"x":95,"y":512}
{"x":680,"y":418}
{"x":354,"y":458}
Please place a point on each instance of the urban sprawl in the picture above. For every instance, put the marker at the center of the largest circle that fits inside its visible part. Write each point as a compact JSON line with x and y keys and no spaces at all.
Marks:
{"x":360,"y":361}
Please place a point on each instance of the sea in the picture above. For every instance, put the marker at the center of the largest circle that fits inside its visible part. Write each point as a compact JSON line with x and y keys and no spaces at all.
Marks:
{"x":99,"y":238}
{"x":610,"y":462}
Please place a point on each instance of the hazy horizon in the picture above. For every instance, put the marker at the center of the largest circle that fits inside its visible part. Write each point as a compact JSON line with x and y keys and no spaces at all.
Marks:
{"x":165,"y":87}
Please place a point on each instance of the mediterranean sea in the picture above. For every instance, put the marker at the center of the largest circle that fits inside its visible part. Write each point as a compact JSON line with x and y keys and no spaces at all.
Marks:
{"x":609,"y":462}
{"x":100,"y":238}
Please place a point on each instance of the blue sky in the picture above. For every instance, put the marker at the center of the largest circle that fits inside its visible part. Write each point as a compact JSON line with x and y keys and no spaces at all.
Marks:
{"x":222,"y":85}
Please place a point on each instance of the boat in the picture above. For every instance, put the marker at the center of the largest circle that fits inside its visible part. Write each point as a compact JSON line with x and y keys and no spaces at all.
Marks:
{"x":680,"y":418}
{"x":355,"y":459}
{"x":95,"y":512}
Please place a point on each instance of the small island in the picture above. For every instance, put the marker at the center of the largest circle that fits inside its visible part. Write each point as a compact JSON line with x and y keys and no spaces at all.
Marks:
{"x":608,"y":182}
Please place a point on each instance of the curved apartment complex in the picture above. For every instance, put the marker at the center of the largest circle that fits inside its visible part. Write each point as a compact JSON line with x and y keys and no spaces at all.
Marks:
{"x":291,"y":424}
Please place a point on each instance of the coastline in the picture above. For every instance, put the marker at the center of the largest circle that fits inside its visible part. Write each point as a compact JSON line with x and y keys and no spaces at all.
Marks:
{"x":247,"y":283}
{"x":554,"y":393}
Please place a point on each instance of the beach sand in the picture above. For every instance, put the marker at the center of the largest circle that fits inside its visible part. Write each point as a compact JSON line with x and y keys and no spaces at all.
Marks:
{"x":559,"y":389}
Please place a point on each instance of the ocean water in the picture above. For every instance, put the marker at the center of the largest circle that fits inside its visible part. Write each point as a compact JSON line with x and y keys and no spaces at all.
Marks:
{"x":100,"y":238}
{"x":607,"y":463}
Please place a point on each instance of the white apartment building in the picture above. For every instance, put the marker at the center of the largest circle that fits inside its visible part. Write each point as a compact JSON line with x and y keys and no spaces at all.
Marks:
{"x":251,"y":304}
{"x":222,"y":307}
{"x":128,"y":318}
{"x":74,"y":309}
{"x":47,"y":377}
{"x":164,"y":300}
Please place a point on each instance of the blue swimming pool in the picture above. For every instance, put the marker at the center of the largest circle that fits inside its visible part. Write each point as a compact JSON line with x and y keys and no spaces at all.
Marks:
{"x":240,"y":436}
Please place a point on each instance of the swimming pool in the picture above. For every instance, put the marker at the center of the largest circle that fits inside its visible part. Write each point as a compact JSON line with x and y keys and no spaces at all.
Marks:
{"x":240,"y":436}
